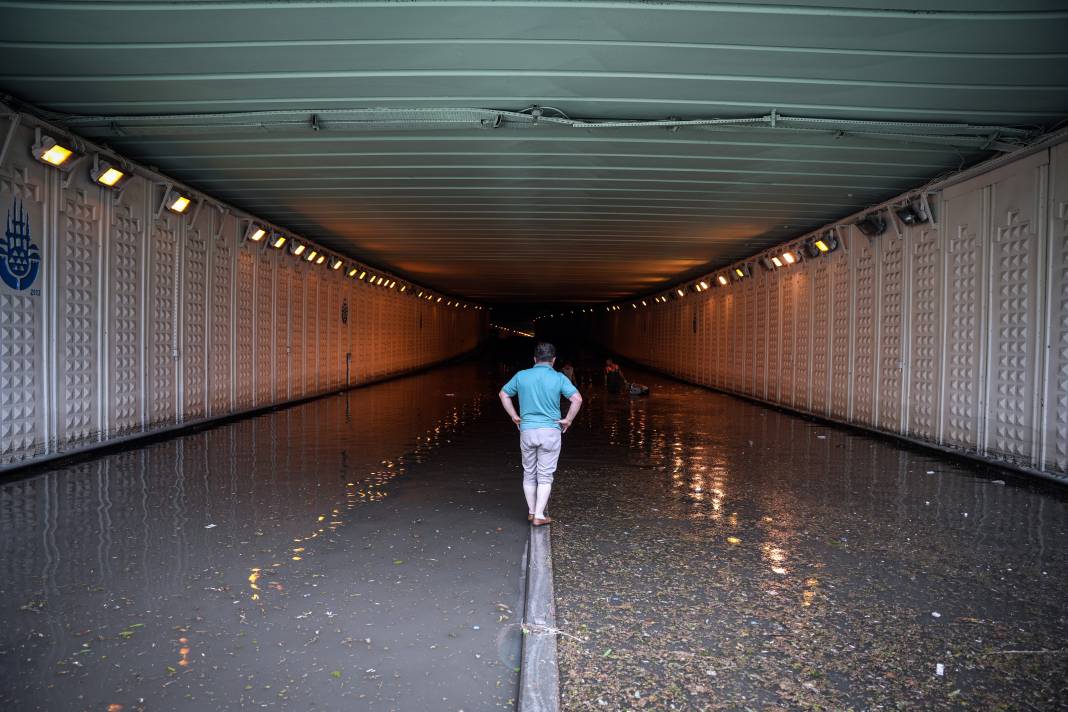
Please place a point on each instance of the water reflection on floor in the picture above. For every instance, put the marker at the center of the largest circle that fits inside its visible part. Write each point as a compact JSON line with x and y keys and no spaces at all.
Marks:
{"x":714,"y":554}
{"x":242,"y":566}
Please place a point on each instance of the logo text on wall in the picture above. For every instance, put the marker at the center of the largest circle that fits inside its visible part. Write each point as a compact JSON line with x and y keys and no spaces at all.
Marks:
{"x":20,"y":259}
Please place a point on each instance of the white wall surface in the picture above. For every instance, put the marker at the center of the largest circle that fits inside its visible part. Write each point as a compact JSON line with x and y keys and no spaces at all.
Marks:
{"x":953,"y":333}
{"x":137,"y":323}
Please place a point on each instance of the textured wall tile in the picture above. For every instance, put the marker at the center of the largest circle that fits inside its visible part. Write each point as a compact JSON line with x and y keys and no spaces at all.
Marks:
{"x":926,"y":327}
{"x":194,"y":326}
{"x":78,"y":328}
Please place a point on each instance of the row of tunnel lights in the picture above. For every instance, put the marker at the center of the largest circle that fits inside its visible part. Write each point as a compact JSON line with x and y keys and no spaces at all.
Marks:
{"x":47,"y":150}
{"x":509,"y":330}
{"x":915,"y":211}
{"x":772,"y":261}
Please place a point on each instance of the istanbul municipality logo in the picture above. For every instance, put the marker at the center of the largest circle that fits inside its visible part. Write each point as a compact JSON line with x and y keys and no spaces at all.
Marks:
{"x":20,"y":259}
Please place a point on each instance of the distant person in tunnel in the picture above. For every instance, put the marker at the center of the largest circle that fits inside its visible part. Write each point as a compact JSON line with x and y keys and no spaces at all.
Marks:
{"x":540,"y":425}
{"x":613,"y":377}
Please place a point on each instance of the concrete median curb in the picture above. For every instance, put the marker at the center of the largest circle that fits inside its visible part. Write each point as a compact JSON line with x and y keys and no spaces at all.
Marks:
{"x":539,"y":678}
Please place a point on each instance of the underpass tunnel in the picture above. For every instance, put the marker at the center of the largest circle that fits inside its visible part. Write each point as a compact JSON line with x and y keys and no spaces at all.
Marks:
{"x":267,"y":267}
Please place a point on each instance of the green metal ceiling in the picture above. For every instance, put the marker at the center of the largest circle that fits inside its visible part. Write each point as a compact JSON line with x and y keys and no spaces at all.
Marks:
{"x":396,"y":132}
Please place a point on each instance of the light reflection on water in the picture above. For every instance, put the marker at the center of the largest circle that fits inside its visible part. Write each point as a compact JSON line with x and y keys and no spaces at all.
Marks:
{"x":222,"y":510}
{"x":794,"y":492}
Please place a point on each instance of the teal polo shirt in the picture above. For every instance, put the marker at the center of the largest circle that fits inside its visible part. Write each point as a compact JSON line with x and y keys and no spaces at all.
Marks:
{"x":539,"y":390}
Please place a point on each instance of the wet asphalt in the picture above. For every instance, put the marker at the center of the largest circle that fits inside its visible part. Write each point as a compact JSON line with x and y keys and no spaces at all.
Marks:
{"x":713,"y":554}
{"x":364,"y":552}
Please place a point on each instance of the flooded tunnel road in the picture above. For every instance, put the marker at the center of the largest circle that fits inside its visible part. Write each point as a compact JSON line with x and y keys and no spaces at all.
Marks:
{"x":711,"y":554}
{"x":361,"y":551}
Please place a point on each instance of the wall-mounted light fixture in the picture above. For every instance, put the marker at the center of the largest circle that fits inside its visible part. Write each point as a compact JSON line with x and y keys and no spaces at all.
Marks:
{"x":311,"y":255}
{"x":913,"y":212}
{"x":825,"y":243}
{"x":873,"y":224}
{"x":297,"y":249}
{"x":48,"y":150}
{"x":352,"y":272}
{"x":278,"y":240}
{"x":320,"y":259}
{"x":255,"y":233}
{"x":107,"y":174}
{"x":741,"y":271}
{"x":335,"y":263}
{"x":722,"y":279}
{"x":177,"y":202}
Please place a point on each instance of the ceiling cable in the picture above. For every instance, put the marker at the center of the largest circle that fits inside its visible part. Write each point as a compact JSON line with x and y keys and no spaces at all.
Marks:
{"x":999,"y":138}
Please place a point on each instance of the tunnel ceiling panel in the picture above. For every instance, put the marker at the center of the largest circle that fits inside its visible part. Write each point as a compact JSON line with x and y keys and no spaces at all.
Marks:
{"x":404,"y":133}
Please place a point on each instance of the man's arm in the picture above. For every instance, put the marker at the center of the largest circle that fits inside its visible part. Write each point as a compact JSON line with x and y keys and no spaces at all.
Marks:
{"x":506,"y":401}
{"x":572,"y":411}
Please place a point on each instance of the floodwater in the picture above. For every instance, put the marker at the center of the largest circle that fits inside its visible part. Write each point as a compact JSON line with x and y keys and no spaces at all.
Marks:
{"x":712,"y":554}
{"x":365,"y":552}
{"x":355,"y":552}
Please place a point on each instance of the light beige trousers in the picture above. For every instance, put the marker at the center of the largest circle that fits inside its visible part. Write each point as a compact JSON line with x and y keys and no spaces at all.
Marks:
{"x":541,"y":451}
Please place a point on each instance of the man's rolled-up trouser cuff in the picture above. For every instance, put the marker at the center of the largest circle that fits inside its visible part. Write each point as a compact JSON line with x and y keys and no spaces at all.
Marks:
{"x":538,"y":478}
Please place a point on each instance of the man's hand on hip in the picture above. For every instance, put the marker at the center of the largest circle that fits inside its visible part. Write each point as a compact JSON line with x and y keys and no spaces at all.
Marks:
{"x":564,"y":424}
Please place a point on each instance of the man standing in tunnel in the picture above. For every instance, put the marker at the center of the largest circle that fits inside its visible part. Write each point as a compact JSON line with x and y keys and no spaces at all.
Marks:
{"x":540,"y":425}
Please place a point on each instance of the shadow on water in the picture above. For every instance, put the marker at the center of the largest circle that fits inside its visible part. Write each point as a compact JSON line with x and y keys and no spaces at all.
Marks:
{"x":309,"y":557}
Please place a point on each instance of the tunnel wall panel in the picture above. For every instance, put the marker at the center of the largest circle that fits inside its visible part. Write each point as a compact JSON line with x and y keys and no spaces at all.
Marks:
{"x":263,"y":321}
{"x":891,"y":332}
{"x":221,"y":332}
{"x":282,"y":304}
{"x":193,"y":337}
{"x":774,"y":376}
{"x":119,"y":318}
{"x":965,"y":262}
{"x":788,"y":338}
{"x":162,"y":277}
{"x":1055,"y":414}
{"x":953,"y":332}
{"x":760,"y":338}
{"x":124,"y":331}
{"x":821,"y":294}
{"x":77,"y":323}
{"x":925,"y":342}
{"x":840,"y":313}
{"x":803,"y":344}
{"x":865,"y":315}
{"x":1017,"y":235}
{"x":244,"y":326}
{"x":297,"y":288}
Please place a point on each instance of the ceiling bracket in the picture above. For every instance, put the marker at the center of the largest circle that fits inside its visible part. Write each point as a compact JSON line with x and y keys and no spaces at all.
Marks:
{"x":12,"y":127}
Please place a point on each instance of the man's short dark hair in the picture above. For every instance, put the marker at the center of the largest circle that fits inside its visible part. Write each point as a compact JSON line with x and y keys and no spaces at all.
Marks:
{"x":544,"y":352}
